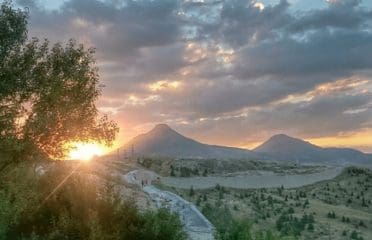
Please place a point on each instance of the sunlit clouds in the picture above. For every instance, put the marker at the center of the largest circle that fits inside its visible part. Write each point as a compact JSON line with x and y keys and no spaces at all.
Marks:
{"x":359,"y":140}
{"x":164,"y":85}
{"x":353,"y":85}
{"x":228,"y":72}
{"x":259,"y":5}
{"x":133,"y":100}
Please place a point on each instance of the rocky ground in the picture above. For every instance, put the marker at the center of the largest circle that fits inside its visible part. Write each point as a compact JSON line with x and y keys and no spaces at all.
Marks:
{"x":196,"y":225}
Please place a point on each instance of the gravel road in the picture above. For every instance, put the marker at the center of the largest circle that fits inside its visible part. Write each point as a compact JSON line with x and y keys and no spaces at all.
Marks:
{"x":195,"y":224}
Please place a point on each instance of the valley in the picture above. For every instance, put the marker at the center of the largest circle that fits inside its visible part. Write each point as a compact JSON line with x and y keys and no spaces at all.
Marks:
{"x":338,"y":208}
{"x":318,"y":202}
{"x":274,"y":192}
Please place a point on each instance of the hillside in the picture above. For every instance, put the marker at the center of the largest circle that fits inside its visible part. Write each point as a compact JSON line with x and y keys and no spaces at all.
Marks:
{"x":164,"y":141}
{"x":286,"y":148}
{"x":340,"y":208}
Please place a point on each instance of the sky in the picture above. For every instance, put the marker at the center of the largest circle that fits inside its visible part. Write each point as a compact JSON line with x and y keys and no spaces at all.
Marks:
{"x":227,"y":72}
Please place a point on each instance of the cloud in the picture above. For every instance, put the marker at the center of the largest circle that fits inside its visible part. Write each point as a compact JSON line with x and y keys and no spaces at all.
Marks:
{"x":339,"y":14}
{"x":323,"y":116}
{"x":236,"y":69}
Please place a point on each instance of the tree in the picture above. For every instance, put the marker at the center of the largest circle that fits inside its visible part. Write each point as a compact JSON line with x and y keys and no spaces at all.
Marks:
{"x":47,"y":94}
{"x":354,"y":235}
{"x":192,"y":192}
{"x":205,"y":197}
{"x":80,"y":209}
{"x":362,"y":224}
{"x":310,"y":227}
{"x":172,"y":171}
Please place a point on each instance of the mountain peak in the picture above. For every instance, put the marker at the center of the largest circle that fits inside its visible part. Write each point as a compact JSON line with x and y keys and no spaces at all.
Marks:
{"x":281,"y":136}
{"x":284,"y":147}
{"x":162,"y":127}
{"x":285,"y":139}
{"x":163,"y":130}
{"x":164,"y":141}
{"x":284,"y":143}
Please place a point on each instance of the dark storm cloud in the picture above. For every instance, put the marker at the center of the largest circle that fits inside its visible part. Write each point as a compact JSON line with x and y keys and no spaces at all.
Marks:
{"x":330,"y":111}
{"x":119,"y":30}
{"x":341,"y":14}
{"x":227,"y":56}
{"x":241,"y":21}
{"x":324,"y":116}
{"x":329,"y":52}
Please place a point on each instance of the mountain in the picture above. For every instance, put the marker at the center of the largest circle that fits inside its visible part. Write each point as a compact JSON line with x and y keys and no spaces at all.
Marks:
{"x":283,"y":147}
{"x":164,"y":141}
{"x":286,"y":148}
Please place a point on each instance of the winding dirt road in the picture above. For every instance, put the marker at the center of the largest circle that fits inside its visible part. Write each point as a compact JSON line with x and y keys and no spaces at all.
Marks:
{"x":195,"y":224}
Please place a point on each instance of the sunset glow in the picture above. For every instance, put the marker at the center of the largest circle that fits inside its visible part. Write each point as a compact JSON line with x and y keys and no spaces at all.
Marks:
{"x":164,"y":85}
{"x":85,"y":151}
{"x":211,"y":71}
{"x":359,"y":140}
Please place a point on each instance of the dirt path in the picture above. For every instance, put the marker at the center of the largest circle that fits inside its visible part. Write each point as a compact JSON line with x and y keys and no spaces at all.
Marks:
{"x":195,"y":224}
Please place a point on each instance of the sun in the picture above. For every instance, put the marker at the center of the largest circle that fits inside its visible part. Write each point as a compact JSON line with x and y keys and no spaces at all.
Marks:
{"x":85,"y":151}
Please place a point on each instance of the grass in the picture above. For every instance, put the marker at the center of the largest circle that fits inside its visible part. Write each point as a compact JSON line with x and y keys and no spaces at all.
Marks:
{"x":349,"y":196}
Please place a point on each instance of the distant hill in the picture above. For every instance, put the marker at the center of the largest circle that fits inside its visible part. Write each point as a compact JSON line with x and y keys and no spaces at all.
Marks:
{"x":286,"y":148}
{"x":164,"y":141}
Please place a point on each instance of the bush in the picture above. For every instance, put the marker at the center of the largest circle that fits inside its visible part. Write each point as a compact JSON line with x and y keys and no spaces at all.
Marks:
{"x":191,"y":192}
{"x":242,"y":230}
{"x":83,"y":208}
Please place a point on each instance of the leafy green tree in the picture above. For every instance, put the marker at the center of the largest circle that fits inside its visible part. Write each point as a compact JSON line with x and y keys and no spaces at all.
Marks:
{"x":80,"y":209}
{"x":47,"y":93}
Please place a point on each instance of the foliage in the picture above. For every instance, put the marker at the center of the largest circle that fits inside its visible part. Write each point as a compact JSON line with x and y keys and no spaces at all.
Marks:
{"x":192,"y":192}
{"x":17,"y":197}
{"x":242,"y":230}
{"x":83,"y":208}
{"x":289,"y":225}
{"x":47,"y":94}
{"x":229,"y":228}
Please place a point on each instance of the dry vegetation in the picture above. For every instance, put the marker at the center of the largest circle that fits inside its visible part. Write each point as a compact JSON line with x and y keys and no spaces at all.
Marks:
{"x":214,"y":167}
{"x":337,"y":209}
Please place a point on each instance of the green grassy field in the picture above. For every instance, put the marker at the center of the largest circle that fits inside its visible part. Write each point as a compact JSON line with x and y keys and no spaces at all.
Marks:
{"x":340,"y":208}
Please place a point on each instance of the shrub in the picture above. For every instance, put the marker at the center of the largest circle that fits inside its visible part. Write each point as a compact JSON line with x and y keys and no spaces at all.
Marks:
{"x":82,"y":208}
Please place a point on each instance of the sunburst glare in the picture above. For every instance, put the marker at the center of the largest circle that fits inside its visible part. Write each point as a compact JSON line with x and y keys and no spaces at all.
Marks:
{"x":85,"y":151}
